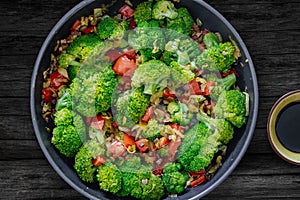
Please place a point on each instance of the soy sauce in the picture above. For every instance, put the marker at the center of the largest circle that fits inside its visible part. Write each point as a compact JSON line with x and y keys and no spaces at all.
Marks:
{"x":288,"y":127}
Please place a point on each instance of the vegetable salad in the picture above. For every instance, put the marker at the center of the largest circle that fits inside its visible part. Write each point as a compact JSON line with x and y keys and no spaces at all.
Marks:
{"x":145,"y":101}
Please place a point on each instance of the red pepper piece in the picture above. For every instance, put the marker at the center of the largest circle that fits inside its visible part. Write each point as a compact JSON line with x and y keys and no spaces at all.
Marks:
{"x":126,"y":11}
{"x":47,"y":94}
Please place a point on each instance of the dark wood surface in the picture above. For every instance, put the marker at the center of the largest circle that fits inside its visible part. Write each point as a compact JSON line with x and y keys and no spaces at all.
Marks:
{"x":271,"y":31}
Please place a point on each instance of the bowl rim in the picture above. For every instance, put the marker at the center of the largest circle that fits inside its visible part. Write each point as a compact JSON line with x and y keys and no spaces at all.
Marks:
{"x":277,"y":146}
{"x":240,"y":154}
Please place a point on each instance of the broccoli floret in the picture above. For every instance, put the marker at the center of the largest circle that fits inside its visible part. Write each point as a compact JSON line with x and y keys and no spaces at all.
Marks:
{"x":147,"y":35}
{"x":183,"y":23}
{"x":143,"y":12}
{"x":66,"y":139}
{"x":83,"y":46}
{"x":72,"y":71}
{"x":190,"y":150}
{"x":179,"y":113}
{"x":66,"y":59}
{"x":131,"y":106}
{"x":65,"y":99}
{"x":84,"y":160}
{"x":168,"y":57}
{"x":93,"y":90}
{"x":153,"y":189}
{"x":222,"y":129}
{"x":153,"y":130}
{"x":153,"y":75}
{"x":164,"y":9}
{"x":147,"y":54}
{"x":109,"y":28}
{"x":109,"y":177}
{"x":132,"y":177}
{"x":63,"y":117}
{"x":180,"y":74}
{"x":210,"y":40}
{"x":217,"y":58}
{"x":174,"y":178}
{"x":231,"y":105}
{"x":222,"y":84}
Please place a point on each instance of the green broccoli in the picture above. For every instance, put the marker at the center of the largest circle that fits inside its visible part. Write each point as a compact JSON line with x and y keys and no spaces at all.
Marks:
{"x":153,"y":75}
{"x":93,"y":90}
{"x":164,"y":9}
{"x":81,"y":48}
{"x":190,"y":151}
{"x":217,"y":58}
{"x":109,"y":177}
{"x":221,"y":84}
{"x":179,"y":113}
{"x":65,"y":60}
{"x":231,"y":105}
{"x":84,"y":160}
{"x":210,"y":40}
{"x":63,"y":117}
{"x":66,"y":139}
{"x":153,"y":189}
{"x":183,"y":23}
{"x":222,"y":129}
{"x":147,"y":54}
{"x":180,"y":74}
{"x":153,"y":130}
{"x":131,"y":106}
{"x":174,"y":179}
{"x":110,"y":28}
{"x":65,"y":99}
{"x":143,"y":12}
{"x":147,"y":35}
{"x":168,"y":57}
{"x":72,"y":71}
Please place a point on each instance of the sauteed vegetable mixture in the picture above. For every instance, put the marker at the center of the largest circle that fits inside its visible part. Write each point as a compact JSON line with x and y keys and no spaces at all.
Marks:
{"x":145,"y":101}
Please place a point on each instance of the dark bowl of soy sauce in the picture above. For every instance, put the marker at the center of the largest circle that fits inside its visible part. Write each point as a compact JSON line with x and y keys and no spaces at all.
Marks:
{"x":284,"y":127}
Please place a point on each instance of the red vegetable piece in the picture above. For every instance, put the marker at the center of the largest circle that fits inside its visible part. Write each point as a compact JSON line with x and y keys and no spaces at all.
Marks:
{"x":168,"y":94}
{"x":126,"y":11}
{"x":231,"y":71}
{"x":124,"y":66}
{"x":75,"y":25}
{"x":177,"y":127}
{"x":148,"y":114}
{"x":113,"y":54}
{"x":128,"y":140}
{"x":117,"y":149}
{"x":173,"y":146}
{"x":198,"y":180}
{"x":194,"y":87}
{"x":163,"y":141}
{"x":97,"y":122}
{"x":88,"y":30}
{"x":208,"y":87}
{"x":47,"y":94}
{"x":142,"y":145}
{"x":98,"y":161}
{"x":132,"y":24}
{"x":57,"y":80}
{"x":130,"y":54}
{"x":157,"y":171}
{"x":199,"y":173}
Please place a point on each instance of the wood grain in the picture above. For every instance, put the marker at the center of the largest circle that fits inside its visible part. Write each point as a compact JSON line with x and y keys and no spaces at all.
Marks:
{"x":270,"y":30}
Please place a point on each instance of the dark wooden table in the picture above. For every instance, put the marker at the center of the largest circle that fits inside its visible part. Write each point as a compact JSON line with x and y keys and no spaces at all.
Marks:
{"x":270,"y":29}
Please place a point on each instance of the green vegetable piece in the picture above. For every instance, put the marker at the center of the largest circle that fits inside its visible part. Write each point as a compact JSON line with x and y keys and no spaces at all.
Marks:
{"x":153,"y":130}
{"x":164,"y":9}
{"x":143,"y":12}
{"x":109,"y":177}
{"x":211,"y":40}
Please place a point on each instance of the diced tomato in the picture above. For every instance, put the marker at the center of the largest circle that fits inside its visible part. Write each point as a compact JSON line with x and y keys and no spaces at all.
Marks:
{"x":177,"y":127}
{"x":142,"y":145}
{"x":113,"y":54}
{"x":117,"y":149}
{"x":96,"y":122}
{"x":163,"y":141}
{"x":128,"y":140}
{"x":98,"y":161}
{"x":47,"y":94}
{"x":115,"y":125}
{"x":130,"y":54}
{"x":231,"y":71}
{"x":168,"y":94}
{"x":199,"y":173}
{"x":148,"y":114}
{"x":132,"y":24}
{"x":194,"y":87}
{"x":173,"y":146}
{"x":124,"y":66}
{"x":126,"y":11}
{"x":157,"y":171}
{"x":208,"y":87}
{"x":75,"y":25}
{"x":88,"y":29}
{"x":198,"y":181}
{"x":57,"y":80}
